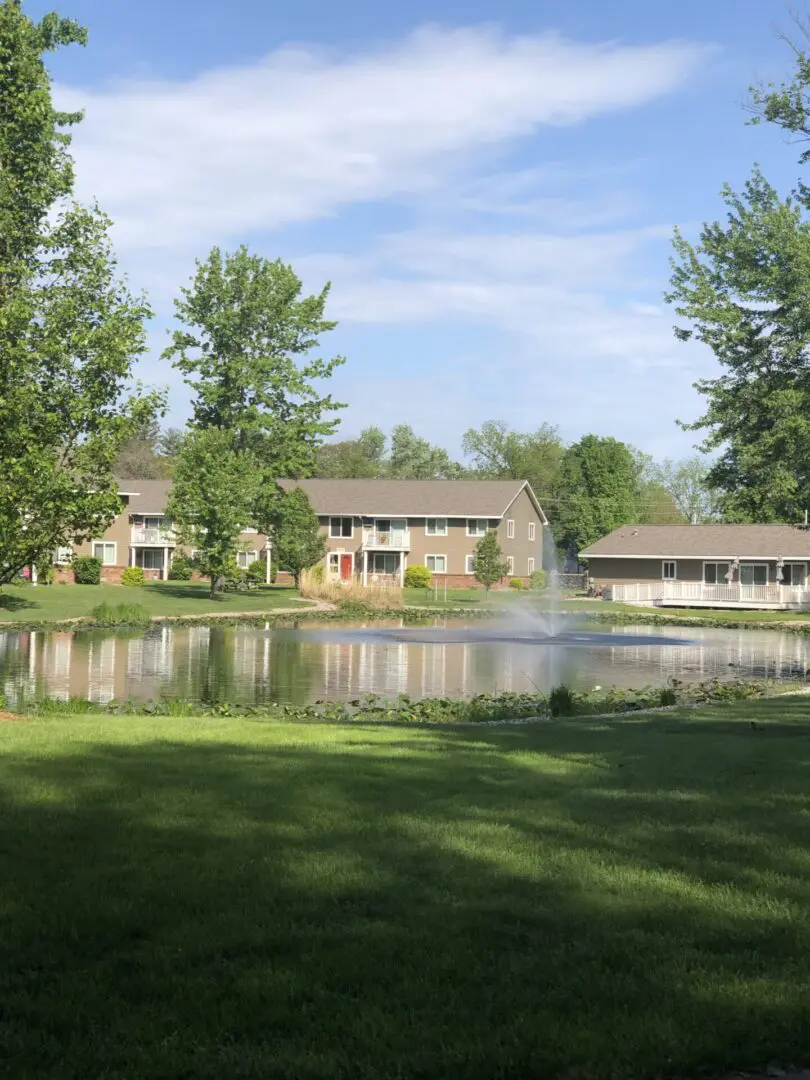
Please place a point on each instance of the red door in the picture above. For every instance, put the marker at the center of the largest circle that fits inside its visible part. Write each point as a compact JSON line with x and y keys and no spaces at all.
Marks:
{"x":346,"y":567}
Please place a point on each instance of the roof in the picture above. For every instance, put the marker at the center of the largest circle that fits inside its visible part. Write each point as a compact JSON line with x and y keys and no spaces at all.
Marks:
{"x":146,"y":496}
{"x":703,"y":542}
{"x":414,"y":498}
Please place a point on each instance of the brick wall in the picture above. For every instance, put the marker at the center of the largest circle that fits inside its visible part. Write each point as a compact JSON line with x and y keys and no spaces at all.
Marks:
{"x":467,"y":581}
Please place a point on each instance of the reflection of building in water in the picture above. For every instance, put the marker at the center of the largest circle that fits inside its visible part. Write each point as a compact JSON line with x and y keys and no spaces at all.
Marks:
{"x":57,"y":653}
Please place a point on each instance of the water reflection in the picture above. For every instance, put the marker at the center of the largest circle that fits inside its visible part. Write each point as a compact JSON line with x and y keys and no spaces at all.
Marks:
{"x":250,"y":664}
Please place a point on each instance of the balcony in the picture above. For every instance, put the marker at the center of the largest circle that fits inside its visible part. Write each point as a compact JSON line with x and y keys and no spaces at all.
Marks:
{"x":700,"y":594}
{"x":161,"y":537}
{"x":393,"y":540}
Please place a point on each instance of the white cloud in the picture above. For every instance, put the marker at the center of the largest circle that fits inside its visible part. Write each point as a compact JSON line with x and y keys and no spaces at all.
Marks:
{"x":303,"y":133}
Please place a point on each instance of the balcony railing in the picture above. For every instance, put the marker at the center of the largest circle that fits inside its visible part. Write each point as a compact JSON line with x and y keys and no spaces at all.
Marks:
{"x":394,"y":540}
{"x":732,"y":593}
{"x":153,"y":537}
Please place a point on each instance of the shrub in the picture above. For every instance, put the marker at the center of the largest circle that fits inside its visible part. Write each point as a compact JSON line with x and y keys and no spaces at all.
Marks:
{"x":538,"y":580}
{"x":256,"y":571}
{"x":561,"y":701}
{"x":667,"y":696}
{"x":317,"y":574}
{"x":517,"y":583}
{"x":181,"y":568}
{"x":87,"y":570}
{"x":133,"y":575}
{"x":121,"y":615}
{"x":46,"y":575}
{"x":418,"y":577}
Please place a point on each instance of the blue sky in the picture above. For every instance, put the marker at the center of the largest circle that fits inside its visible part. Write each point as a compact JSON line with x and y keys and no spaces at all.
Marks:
{"x":490,"y":188}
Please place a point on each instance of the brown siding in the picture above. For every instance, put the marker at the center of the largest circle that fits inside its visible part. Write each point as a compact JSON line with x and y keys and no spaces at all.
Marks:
{"x":621,"y":571}
{"x":522,"y":512}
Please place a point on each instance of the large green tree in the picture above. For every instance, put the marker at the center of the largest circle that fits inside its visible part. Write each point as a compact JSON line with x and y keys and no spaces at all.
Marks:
{"x":213,"y":498}
{"x":298,"y":542}
{"x":498,"y":452}
{"x":687,"y":485}
{"x":362,"y":458}
{"x":70,"y":331}
{"x":597,"y":490}
{"x":414,"y":458}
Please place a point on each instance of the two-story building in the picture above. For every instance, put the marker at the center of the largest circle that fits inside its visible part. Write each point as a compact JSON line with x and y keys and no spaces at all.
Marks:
{"x":142,"y":535}
{"x":375,"y":529}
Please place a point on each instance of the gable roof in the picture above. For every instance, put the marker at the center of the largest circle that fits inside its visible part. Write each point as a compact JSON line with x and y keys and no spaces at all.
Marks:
{"x":702,"y":542}
{"x":414,"y":498}
{"x":146,"y":496}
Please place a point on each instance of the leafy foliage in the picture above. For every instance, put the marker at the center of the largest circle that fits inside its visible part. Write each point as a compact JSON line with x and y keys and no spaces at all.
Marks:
{"x":133,"y":576}
{"x":538,"y":580}
{"x":121,"y":615}
{"x":256,"y":572}
{"x":597,"y":490}
{"x":298,"y":542}
{"x":409,"y":457}
{"x":517,"y":583}
{"x":70,"y":332}
{"x":489,"y":564}
{"x":362,"y":458}
{"x":500,"y":453}
{"x":182,"y":568}
{"x":687,"y":482}
{"x":87,"y":570}
{"x":418,"y":577}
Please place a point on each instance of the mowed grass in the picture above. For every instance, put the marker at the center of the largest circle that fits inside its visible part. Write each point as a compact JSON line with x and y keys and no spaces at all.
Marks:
{"x":52,"y":603}
{"x":222,"y":898}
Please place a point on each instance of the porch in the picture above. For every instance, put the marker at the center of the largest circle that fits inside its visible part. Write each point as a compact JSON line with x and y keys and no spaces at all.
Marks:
{"x":700,"y":594}
{"x":154,"y":561}
{"x":367,"y":567}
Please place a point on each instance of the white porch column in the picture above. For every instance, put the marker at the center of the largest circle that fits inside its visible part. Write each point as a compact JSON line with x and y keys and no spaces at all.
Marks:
{"x":33,"y":574}
{"x":365,"y":568}
{"x":132,"y":556}
{"x":165,"y":574}
{"x":403,"y":558}
{"x":267,"y":565}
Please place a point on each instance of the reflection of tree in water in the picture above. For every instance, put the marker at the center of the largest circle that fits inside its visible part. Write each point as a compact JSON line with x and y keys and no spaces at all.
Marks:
{"x":295,"y":669}
{"x":217,"y":681}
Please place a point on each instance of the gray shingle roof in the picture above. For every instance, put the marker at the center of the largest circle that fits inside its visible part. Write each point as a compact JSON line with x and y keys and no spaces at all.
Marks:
{"x":701,"y":541}
{"x":146,"y":496}
{"x":411,"y":498}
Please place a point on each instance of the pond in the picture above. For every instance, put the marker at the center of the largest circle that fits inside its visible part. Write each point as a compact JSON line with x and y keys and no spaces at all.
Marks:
{"x":251,"y":664}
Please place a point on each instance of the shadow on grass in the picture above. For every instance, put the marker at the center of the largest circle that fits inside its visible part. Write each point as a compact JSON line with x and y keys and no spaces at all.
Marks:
{"x":201,"y":592}
{"x":10,"y":602}
{"x":582,"y":899}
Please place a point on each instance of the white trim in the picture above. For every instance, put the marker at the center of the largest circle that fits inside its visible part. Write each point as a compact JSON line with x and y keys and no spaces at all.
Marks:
{"x":255,"y":558}
{"x":530,"y":566}
{"x":796,"y":562}
{"x":664,"y":564}
{"x":468,"y":569}
{"x":108,"y":543}
{"x":752,"y":563}
{"x":434,"y":571}
{"x":510,"y":565}
{"x":709,"y":558}
{"x":341,"y":518}
{"x":510,"y":528}
{"x":438,"y":532}
{"x":713,"y":562}
{"x":532,"y":531}
{"x":527,"y":487}
{"x":477,"y":520}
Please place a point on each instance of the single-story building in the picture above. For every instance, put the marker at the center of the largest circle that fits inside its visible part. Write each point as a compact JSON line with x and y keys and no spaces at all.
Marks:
{"x":756,"y":566}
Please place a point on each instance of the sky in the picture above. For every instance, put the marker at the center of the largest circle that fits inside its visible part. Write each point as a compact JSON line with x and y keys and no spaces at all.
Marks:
{"x":491,"y":189}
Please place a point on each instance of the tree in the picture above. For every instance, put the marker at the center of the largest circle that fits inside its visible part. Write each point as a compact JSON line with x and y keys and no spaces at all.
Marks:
{"x":499,"y":453}
{"x":362,"y":458}
{"x":70,"y":331}
{"x":489,"y":565}
{"x":597,"y":490}
{"x":686,"y":483}
{"x":245,"y":351}
{"x":213,"y":498}
{"x":414,"y":458}
{"x":656,"y":505}
{"x":139,"y":458}
{"x":298,"y":542}
{"x":169,"y":443}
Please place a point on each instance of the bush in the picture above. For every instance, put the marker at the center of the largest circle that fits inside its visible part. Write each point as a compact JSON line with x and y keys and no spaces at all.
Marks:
{"x":256,"y":571}
{"x":418,"y":577}
{"x":317,"y":574}
{"x":668,"y":696}
{"x":133,"y":575}
{"x":538,"y":580}
{"x":517,"y":583}
{"x":181,"y":568}
{"x":46,"y":575}
{"x":121,"y":615}
{"x":561,"y":701}
{"x":87,"y":570}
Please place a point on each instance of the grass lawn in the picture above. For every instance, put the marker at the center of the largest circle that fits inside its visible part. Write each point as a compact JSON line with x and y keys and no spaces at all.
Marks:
{"x":222,"y":898}
{"x":27,"y":603}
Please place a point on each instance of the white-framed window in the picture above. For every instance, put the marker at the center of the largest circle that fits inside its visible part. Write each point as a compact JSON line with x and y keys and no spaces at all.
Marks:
{"x":510,"y":529}
{"x":63,"y":555}
{"x":334,"y":564}
{"x":477,"y":526}
{"x":383,"y":562}
{"x":150,"y":558}
{"x":469,"y":564}
{"x":794,"y":573}
{"x":753,"y":573}
{"x":437,"y":564}
{"x":510,"y":564}
{"x":532,"y":530}
{"x":341,"y":528}
{"x":107,"y":551}
{"x":669,"y":570}
{"x":436,"y":526}
{"x":714,"y":573}
{"x":530,"y":567}
{"x":245,"y":558}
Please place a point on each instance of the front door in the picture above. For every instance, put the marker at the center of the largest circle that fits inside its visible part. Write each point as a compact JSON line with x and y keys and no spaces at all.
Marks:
{"x":346,"y":567}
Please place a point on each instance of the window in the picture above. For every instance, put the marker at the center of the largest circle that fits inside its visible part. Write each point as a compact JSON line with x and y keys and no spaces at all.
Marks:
{"x":477,"y":526}
{"x":530,"y":567}
{"x":754,"y":574}
{"x":153,"y":522}
{"x":437,"y":564}
{"x":334,"y":564}
{"x":381,"y":562}
{"x":510,"y":529}
{"x":63,"y":556}
{"x":510,"y":564}
{"x":436,"y":527}
{"x":150,"y":558}
{"x":245,"y":558}
{"x":341,"y":528}
{"x":794,"y":573}
{"x":714,"y":573}
{"x":531,"y":530}
{"x":669,"y":570}
{"x":105,"y":551}
{"x":469,"y":564}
